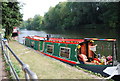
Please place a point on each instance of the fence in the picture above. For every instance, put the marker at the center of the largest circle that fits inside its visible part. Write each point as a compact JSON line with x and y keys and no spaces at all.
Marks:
{"x":29,"y":75}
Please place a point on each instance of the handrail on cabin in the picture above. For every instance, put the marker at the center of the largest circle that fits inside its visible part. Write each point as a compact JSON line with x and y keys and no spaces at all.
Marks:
{"x":29,"y":75}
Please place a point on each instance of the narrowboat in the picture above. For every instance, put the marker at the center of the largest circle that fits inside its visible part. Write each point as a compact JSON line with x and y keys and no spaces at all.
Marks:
{"x":100,"y":54}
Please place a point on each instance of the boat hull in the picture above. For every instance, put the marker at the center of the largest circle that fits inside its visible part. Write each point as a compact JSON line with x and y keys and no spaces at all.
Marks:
{"x":94,"y":68}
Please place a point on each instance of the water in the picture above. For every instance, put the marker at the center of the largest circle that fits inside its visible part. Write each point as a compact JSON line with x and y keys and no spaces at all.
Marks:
{"x":81,"y":33}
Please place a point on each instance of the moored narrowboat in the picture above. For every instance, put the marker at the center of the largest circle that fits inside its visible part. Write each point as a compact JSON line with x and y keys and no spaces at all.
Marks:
{"x":90,"y":53}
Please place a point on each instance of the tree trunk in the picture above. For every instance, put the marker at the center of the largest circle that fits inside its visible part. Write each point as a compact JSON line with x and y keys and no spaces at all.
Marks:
{"x":8,"y":32}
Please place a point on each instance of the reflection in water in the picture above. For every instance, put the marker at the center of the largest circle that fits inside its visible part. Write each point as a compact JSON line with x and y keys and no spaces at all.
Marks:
{"x":81,"y":33}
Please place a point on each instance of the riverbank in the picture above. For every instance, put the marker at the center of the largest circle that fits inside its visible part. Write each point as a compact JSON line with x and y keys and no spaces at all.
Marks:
{"x":45,"y":67}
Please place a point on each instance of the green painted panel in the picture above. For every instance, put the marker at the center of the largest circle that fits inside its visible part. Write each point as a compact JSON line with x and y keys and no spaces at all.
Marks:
{"x":31,"y":41}
{"x":41,"y":45}
{"x":27,"y":42}
{"x":73,"y":55}
{"x":56,"y":49}
{"x":36,"y":45}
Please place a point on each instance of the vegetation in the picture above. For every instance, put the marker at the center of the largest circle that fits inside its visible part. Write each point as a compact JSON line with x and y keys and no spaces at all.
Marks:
{"x":75,"y":15}
{"x":33,"y":23}
{"x":11,"y":16}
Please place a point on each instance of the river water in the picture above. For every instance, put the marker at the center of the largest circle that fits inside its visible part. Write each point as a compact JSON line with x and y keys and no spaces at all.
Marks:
{"x":82,"y":33}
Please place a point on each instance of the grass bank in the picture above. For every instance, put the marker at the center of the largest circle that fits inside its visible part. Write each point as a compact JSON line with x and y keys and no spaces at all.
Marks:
{"x":45,"y":67}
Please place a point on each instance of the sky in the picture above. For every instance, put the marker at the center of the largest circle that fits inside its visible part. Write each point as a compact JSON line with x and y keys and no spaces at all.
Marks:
{"x":33,"y":7}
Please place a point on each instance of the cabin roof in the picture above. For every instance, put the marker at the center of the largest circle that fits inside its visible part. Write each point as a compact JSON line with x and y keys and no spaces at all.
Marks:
{"x":56,"y":40}
{"x":63,"y":40}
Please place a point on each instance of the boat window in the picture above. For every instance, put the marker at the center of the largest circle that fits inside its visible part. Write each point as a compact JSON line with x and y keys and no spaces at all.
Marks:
{"x":50,"y":48}
{"x":32,"y":44}
{"x":65,"y":52}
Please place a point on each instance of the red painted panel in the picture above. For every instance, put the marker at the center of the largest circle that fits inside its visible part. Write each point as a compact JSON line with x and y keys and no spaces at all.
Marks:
{"x":90,"y":53}
{"x":83,"y":49}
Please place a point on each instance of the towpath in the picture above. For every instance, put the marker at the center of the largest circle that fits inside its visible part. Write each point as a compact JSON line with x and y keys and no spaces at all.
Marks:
{"x":45,"y":67}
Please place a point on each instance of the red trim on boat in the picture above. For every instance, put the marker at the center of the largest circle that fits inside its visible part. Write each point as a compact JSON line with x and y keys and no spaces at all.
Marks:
{"x":60,"y":39}
{"x":32,"y":38}
{"x":62,"y":42}
{"x":59,"y":58}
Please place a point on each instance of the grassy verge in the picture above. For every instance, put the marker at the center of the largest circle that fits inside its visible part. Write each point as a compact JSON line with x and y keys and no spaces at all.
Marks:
{"x":45,"y":67}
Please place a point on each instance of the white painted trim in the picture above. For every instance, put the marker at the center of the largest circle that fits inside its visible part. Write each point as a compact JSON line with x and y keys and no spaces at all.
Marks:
{"x":43,"y":47}
{"x":67,"y":48}
{"x":52,"y":50}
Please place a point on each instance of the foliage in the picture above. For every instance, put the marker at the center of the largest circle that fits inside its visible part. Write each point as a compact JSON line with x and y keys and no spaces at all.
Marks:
{"x":110,"y":13}
{"x":76,"y":15}
{"x":33,"y":23}
{"x":11,"y":16}
{"x":16,"y":67}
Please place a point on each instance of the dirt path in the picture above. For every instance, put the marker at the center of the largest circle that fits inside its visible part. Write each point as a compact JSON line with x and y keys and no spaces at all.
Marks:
{"x":3,"y":73}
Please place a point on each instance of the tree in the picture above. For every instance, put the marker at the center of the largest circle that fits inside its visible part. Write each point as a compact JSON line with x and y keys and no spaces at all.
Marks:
{"x":76,"y":15}
{"x":33,"y":23}
{"x":11,"y":17}
{"x":37,"y":21}
{"x":29,"y":23}
{"x":110,"y":13}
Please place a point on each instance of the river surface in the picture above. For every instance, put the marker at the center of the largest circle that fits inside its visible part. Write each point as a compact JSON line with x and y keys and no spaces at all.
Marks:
{"x":82,"y":33}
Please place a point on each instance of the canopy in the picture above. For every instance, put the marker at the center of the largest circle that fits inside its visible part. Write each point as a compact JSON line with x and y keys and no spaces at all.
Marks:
{"x":100,"y":39}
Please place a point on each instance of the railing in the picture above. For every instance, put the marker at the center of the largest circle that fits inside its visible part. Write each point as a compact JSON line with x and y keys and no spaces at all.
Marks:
{"x":29,"y":75}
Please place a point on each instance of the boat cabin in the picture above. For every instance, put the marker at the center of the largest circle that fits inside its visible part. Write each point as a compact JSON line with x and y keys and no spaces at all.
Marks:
{"x":97,"y":51}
